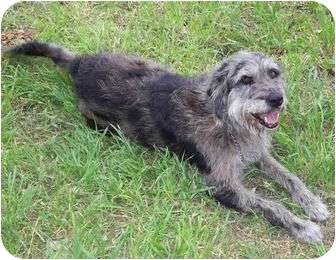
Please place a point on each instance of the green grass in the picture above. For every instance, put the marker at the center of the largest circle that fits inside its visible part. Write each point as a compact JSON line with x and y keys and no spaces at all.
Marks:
{"x":68,"y":192}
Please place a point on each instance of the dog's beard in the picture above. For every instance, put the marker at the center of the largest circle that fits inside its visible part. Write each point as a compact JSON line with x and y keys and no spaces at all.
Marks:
{"x":235,"y":114}
{"x":253,"y":115}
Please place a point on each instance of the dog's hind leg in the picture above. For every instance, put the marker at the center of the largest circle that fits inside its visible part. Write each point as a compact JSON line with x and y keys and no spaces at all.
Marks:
{"x":311,"y":204}
{"x":232,"y":193}
{"x":94,"y":121}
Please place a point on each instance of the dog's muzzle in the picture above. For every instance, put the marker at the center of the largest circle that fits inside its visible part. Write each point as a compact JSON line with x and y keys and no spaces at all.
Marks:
{"x":274,"y":100}
{"x":269,"y":119}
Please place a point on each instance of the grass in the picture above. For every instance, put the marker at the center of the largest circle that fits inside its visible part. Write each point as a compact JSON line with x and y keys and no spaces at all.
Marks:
{"x":68,"y":192}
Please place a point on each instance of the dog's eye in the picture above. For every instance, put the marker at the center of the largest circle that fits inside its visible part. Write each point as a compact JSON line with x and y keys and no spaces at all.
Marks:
{"x":248,"y":80}
{"x":273,"y":73}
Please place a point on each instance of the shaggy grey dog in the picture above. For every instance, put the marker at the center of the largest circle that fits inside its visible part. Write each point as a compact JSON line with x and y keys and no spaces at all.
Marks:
{"x":221,"y":121}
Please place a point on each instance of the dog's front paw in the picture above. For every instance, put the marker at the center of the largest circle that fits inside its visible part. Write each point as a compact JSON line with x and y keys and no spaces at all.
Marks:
{"x":306,"y":231}
{"x":317,"y":211}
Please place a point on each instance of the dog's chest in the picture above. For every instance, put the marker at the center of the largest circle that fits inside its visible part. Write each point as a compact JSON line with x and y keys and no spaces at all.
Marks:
{"x":251,"y":152}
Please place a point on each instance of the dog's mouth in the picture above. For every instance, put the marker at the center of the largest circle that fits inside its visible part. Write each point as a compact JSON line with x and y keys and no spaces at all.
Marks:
{"x":269,"y":119}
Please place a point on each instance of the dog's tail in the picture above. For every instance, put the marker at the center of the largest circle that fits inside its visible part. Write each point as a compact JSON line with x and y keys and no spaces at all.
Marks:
{"x":61,"y":56}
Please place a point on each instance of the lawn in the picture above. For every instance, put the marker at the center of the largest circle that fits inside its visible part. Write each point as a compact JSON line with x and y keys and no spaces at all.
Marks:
{"x":69,"y":192}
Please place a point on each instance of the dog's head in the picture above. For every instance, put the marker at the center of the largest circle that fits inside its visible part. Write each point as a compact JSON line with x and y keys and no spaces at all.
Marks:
{"x":248,"y":89}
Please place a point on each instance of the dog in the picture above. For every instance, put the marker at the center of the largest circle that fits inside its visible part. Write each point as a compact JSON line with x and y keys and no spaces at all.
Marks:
{"x":221,"y":121}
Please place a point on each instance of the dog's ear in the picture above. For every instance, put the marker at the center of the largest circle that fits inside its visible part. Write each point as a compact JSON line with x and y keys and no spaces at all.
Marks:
{"x":218,"y":88}
{"x":221,"y":72}
{"x":218,"y":77}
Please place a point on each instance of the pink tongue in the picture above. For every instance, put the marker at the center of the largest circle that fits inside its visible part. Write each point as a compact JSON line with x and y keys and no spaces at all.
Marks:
{"x":271,"y":117}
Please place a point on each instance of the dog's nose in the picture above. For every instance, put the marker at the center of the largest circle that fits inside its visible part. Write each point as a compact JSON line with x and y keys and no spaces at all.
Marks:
{"x":274,"y":100}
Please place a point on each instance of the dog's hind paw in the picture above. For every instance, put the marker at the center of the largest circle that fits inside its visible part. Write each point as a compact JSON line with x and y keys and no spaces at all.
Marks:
{"x":306,"y":231}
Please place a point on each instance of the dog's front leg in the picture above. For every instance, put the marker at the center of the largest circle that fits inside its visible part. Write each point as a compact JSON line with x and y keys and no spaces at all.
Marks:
{"x":231,"y":192}
{"x":311,"y":204}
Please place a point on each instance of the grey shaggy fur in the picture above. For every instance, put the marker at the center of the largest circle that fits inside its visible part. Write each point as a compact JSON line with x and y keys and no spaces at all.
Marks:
{"x":221,"y":121}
